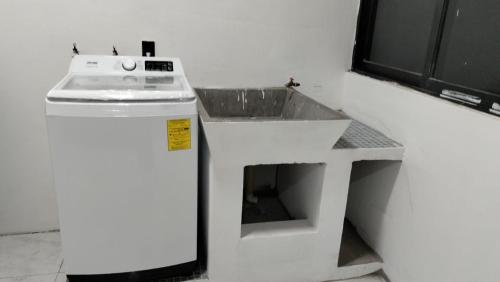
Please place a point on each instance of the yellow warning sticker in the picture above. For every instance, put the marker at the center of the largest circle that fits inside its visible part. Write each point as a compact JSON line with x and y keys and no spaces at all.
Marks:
{"x":179,"y":134}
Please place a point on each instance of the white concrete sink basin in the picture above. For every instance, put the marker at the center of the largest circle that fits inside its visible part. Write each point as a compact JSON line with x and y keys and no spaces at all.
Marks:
{"x":277,"y":121}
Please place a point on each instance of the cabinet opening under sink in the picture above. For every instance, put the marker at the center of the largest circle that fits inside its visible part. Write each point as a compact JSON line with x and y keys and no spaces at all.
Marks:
{"x":281,"y":197}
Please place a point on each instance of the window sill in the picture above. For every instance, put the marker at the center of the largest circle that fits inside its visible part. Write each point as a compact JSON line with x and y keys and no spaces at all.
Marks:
{"x":477,"y":108}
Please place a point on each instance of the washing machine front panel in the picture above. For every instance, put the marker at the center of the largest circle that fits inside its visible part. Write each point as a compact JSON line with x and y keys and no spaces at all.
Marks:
{"x":126,"y":202}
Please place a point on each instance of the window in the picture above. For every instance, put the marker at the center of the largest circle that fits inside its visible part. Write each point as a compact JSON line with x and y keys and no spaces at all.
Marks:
{"x":447,"y":48}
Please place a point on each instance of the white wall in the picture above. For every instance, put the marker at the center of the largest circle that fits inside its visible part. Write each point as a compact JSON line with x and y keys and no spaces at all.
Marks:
{"x":440,"y":221}
{"x":221,"y":42}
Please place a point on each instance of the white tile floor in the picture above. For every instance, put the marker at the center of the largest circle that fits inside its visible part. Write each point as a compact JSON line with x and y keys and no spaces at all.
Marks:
{"x":37,"y":258}
{"x":31,"y":257}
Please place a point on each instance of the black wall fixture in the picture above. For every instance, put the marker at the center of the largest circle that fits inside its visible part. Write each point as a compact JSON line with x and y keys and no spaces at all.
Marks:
{"x":148,"y":48}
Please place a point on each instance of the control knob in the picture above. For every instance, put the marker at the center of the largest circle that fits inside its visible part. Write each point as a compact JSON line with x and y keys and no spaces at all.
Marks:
{"x":128,"y":64}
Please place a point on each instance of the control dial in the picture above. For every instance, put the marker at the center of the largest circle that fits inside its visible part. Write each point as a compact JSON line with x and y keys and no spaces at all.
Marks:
{"x":128,"y":64}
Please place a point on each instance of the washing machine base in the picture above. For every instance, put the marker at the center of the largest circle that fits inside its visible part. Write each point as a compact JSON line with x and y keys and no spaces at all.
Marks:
{"x":183,"y":269}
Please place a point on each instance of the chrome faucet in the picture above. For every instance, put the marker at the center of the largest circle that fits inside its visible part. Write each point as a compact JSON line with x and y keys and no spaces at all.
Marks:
{"x":291,"y":83}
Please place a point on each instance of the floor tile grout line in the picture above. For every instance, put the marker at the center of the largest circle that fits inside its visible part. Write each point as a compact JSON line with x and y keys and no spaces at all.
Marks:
{"x":60,"y":266}
{"x":59,"y":270}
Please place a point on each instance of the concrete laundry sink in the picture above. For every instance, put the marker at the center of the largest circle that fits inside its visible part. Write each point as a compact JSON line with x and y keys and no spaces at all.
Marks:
{"x":272,"y":121}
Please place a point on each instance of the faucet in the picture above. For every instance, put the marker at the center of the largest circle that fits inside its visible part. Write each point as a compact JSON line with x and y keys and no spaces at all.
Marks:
{"x":291,"y":83}
{"x":75,"y":50}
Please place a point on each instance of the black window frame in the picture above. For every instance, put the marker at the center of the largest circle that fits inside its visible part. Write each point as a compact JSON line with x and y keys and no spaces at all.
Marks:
{"x":425,"y":82}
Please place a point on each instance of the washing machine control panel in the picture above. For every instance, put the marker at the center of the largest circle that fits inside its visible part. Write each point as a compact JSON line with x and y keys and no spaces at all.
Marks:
{"x":159,"y":66}
{"x":127,"y":64}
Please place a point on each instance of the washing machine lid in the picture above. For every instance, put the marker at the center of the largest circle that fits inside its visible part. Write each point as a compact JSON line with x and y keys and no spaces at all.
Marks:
{"x":118,"y":87}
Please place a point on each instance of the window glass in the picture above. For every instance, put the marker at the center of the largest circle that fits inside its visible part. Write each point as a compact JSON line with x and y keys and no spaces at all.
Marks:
{"x":402,"y":32}
{"x":470,"y":49}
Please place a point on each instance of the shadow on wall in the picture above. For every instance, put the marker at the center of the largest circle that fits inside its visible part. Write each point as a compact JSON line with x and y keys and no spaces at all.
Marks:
{"x":371,"y":187}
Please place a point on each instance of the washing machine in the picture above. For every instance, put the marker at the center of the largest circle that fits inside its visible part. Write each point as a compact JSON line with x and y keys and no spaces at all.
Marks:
{"x":123,"y":135}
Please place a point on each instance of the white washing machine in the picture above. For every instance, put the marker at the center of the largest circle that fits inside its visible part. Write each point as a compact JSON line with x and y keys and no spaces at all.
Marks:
{"x":123,"y":134}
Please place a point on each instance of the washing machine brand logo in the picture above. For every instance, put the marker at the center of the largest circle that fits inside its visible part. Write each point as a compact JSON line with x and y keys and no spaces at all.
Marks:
{"x":92,"y":64}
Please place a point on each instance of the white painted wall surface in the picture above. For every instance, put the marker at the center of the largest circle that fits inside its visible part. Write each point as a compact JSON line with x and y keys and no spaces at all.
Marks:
{"x":440,"y":222}
{"x":221,"y":42}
